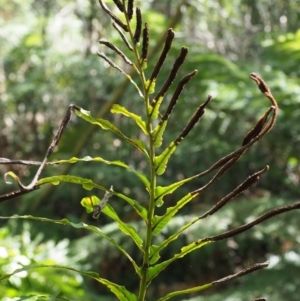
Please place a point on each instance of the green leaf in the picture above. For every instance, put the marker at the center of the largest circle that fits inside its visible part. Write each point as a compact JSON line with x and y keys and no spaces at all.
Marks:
{"x":161,"y":161}
{"x":117,"y":109}
{"x":161,"y":191}
{"x":30,"y":298}
{"x":155,"y":270}
{"x":73,"y":160}
{"x":150,"y":86}
{"x":106,"y":125}
{"x":154,"y":255}
{"x":153,"y":110}
{"x":12,"y":175}
{"x":134,"y":83}
{"x":141,"y":211}
{"x":89,"y":202}
{"x":55,"y":297}
{"x":171,"y":238}
{"x":91,"y":159}
{"x":186,"y":291}
{"x":143,"y":63}
{"x":125,"y":228}
{"x":112,"y":64}
{"x":142,"y":177}
{"x":88,"y":183}
{"x":158,"y":133}
{"x":159,"y":202}
{"x":159,"y":222}
{"x":90,"y":228}
{"x":120,"y":291}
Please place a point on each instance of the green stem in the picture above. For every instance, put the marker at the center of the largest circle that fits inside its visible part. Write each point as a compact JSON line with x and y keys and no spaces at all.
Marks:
{"x":151,"y":208}
{"x":148,"y":240}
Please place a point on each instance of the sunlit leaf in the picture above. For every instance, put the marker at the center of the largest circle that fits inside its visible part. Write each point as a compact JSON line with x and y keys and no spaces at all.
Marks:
{"x":140,"y":175}
{"x":56,"y":297}
{"x":90,"y":228}
{"x":117,"y":109}
{"x":13,"y":175}
{"x":106,"y":125}
{"x":159,"y":202}
{"x":161,"y":161}
{"x":120,"y":291}
{"x":89,"y":202}
{"x":153,"y":110}
{"x":143,"y":64}
{"x":88,"y":183}
{"x":150,"y":86}
{"x":158,"y":133}
{"x":31,"y":298}
{"x":34,"y":40}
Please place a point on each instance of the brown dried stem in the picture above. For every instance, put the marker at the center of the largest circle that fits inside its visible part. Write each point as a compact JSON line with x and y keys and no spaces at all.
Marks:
{"x":6,"y":161}
{"x":176,"y":94}
{"x":251,"y":180}
{"x":238,"y":153}
{"x":257,"y":221}
{"x":120,"y":5}
{"x":122,"y":36}
{"x":116,"y":49}
{"x":110,"y":62}
{"x":172,"y":75}
{"x":167,"y":46}
{"x":145,"y":46}
{"x":130,"y":6}
{"x":248,"y":270}
{"x":263,"y":87}
{"x":53,"y":144}
{"x":114,"y":17}
{"x":266,"y":128}
{"x":198,"y":114}
{"x":14,"y":194}
{"x":256,"y":130}
{"x":138,"y":28}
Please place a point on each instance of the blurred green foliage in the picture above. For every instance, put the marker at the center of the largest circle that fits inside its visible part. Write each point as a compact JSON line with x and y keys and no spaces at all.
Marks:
{"x":48,"y":60}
